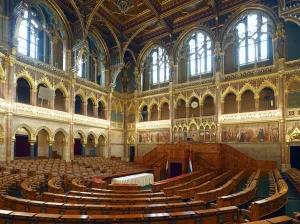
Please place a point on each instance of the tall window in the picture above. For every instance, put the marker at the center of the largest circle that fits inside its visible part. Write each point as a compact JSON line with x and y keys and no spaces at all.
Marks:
{"x":81,"y":67}
{"x":200,"y":54}
{"x":159,"y":66}
{"x":252,"y":39}
{"x":28,"y":35}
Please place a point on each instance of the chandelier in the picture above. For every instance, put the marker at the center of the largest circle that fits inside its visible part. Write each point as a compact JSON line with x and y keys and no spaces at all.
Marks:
{"x":123,"y":5}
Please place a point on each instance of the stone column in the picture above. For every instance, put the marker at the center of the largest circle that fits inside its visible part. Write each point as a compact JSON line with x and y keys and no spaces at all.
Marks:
{"x":50,"y":150}
{"x":95,"y":111}
{"x":84,"y":108}
{"x":33,"y":96}
{"x":149,"y":114}
{"x":219,"y":110}
{"x":125,"y":122}
{"x":70,"y":155}
{"x":10,"y":97}
{"x":68,"y":62}
{"x":66,"y":104}
{"x":159,"y":113}
{"x":32,"y":143}
{"x":238,"y":104}
{"x":201,"y":109}
{"x":256,"y":103}
{"x":187,"y":110}
{"x":83,"y":150}
{"x":51,"y":52}
{"x":109,"y":119}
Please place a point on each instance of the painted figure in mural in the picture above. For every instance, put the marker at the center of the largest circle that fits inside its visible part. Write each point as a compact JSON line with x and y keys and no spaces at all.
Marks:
{"x":261,"y":135}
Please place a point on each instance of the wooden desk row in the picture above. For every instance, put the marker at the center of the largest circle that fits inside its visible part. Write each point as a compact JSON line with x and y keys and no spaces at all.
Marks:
{"x":213,"y":194}
{"x":261,"y":208}
{"x":159,"y":185}
{"x":293,"y":176}
{"x":25,"y":205}
{"x":169,"y":191}
{"x":62,"y":198}
{"x":277,"y":220}
{"x":211,"y":216}
{"x":97,"y":190}
{"x":244,"y":196}
{"x":114,"y":195}
{"x":29,"y":186}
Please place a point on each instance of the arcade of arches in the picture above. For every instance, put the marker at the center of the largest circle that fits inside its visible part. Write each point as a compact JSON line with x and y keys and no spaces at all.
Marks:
{"x":117,"y":86}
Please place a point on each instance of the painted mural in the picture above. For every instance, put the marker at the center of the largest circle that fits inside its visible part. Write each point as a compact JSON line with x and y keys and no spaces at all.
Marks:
{"x":162,"y":136}
{"x":261,"y":132}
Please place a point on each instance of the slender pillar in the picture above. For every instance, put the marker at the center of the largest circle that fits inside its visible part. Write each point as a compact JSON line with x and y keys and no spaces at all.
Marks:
{"x":238,"y":104}
{"x":187,"y":111}
{"x":84,"y":108}
{"x":66,"y":104}
{"x":83,"y":150}
{"x":201,"y":109}
{"x":32,"y":149}
{"x":257,"y":103}
{"x":33,"y":96}
{"x":149,"y":115}
{"x":159,"y":113}
{"x":96,"y":111}
{"x":50,"y":151}
{"x":52,"y":53}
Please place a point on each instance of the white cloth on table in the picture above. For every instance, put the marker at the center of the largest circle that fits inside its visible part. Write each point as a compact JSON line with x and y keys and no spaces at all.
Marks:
{"x":142,"y":179}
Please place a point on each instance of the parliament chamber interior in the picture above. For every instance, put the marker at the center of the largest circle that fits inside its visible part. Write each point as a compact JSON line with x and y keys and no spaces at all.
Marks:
{"x":150,"y":111}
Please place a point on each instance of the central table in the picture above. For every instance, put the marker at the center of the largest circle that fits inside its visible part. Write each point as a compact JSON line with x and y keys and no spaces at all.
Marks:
{"x":142,"y":179}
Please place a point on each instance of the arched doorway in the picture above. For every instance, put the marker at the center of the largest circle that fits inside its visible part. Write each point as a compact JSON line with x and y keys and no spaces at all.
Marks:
{"x":247,"y":101}
{"x":230,"y":104}
{"x":154,"y":113}
{"x":208,"y":106}
{"x":267,"y":99}
{"x":23,"y":91}
{"x":79,"y":147}
{"x":90,"y":148}
{"x":165,"y":112}
{"x":59,"y":100}
{"x":180,"y":109}
{"x":22,"y":144}
{"x":42,"y":141}
{"x":101,"y":110}
{"x":194,"y":107}
{"x":100,"y":151}
{"x":78,"y":105}
{"x":144,"y":114}
{"x":59,"y":146}
{"x":90,"y":108}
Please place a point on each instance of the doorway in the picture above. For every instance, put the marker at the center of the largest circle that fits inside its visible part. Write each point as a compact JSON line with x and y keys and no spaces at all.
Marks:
{"x":131,"y":153}
{"x":176,"y":169}
{"x":295,"y":155}
{"x":77,"y":147}
{"x":22,"y":146}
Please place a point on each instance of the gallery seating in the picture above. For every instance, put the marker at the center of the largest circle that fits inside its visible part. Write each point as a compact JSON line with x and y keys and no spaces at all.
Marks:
{"x":159,"y":185}
{"x":264,"y":207}
{"x":212,"y":195}
{"x":293,"y":175}
{"x":244,"y":196}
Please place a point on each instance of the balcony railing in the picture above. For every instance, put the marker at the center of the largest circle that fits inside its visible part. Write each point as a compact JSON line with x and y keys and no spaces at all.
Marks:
{"x":258,"y":115}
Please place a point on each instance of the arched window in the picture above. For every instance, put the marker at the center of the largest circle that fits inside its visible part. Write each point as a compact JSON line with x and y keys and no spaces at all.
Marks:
{"x":81,"y":67}
{"x":253,"y":41}
{"x":28,"y":35}
{"x":159,"y":66}
{"x":199,"y":54}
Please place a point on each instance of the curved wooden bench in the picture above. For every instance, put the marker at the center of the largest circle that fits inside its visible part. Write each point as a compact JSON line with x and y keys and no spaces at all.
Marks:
{"x":54,"y":185}
{"x":22,"y":205}
{"x":213,"y":195}
{"x":120,"y":191}
{"x":244,"y":196}
{"x":112,"y":195}
{"x":159,"y":185}
{"x":261,"y":208}
{"x":191,"y":192}
{"x":29,"y":186}
{"x":62,"y":198}
{"x":214,"y":216}
{"x":169,"y":191}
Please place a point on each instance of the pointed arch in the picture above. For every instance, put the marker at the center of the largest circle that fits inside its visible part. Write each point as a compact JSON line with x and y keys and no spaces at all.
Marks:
{"x":82,"y":136}
{"x":62,"y":88}
{"x":193,"y":95}
{"x":31,"y":133}
{"x":180,"y":97}
{"x":60,"y":130}
{"x":249,"y":87}
{"x":228,"y":90}
{"x":206,"y":94}
{"x":45,"y":81}
{"x":267,"y":84}
{"x":25,"y":75}
{"x":50,"y":135}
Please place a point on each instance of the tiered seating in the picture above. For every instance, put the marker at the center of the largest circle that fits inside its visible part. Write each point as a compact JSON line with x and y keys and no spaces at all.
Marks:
{"x":207,"y":185}
{"x":193,"y":183}
{"x":159,"y":185}
{"x":9,"y":179}
{"x":261,"y":208}
{"x":55,"y":185}
{"x":244,"y":196}
{"x":213,"y":195}
{"x":93,"y":205}
{"x":212,"y":216}
{"x":30,"y":186}
{"x":293,"y":176}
